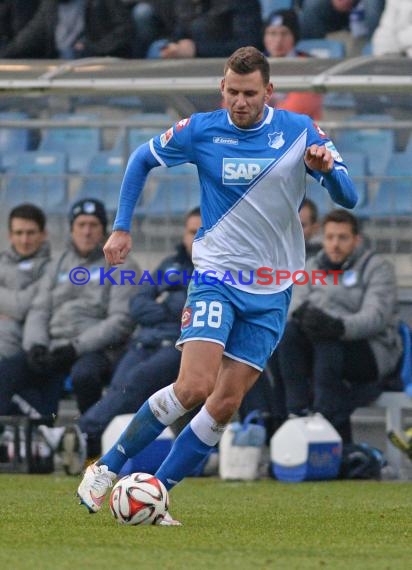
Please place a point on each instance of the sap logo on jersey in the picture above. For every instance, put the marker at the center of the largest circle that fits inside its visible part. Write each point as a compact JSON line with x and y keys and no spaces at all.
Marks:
{"x":243,"y":170}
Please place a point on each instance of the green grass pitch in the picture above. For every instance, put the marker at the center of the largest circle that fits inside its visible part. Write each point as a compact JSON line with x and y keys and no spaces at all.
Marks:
{"x":227,"y":525}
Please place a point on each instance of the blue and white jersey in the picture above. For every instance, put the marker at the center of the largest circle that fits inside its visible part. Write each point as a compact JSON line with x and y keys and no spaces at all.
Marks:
{"x":252,"y":184}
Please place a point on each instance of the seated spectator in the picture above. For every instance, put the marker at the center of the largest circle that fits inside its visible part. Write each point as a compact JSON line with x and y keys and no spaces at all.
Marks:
{"x":280,"y":36}
{"x":151,"y":361}
{"x":152,"y":19}
{"x":321,"y":17}
{"x":393,"y":36}
{"x":22,"y":265}
{"x":341,"y":340}
{"x":308,"y":215}
{"x":69,"y":29}
{"x":69,"y":329}
{"x":210,"y":29}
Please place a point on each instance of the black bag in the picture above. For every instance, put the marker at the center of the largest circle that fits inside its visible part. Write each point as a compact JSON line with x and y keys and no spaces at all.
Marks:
{"x":361,"y":461}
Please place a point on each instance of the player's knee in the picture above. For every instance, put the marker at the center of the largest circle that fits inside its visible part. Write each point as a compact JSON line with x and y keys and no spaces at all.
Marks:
{"x":223,"y":409}
{"x":191,"y":395}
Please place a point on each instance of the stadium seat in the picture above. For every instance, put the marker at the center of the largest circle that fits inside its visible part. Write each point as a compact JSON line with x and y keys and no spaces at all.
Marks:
{"x":269,"y":6}
{"x":394,"y":195}
{"x":408,"y":148}
{"x":357,"y":164}
{"x":79,"y":143}
{"x":136,"y":137}
{"x":319,"y":195}
{"x":378,"y":144}
{"x":102,"y":179}
{"x":367,"y":49}
{"x":322,"y":48}
{"x":13,"y":139}
{"x":142,"y":134}
{"x":37,"y":177}
{"x":147,"y":119}
{"x":339,"y":100}
{"x":175,"y":191}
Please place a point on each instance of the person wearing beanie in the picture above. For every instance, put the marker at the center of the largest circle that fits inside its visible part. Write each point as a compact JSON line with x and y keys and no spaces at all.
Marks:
{"x":280,"y":36}
{"x":89,"y":207}
{"x":77,"y":325}
{"x":281,"y":33}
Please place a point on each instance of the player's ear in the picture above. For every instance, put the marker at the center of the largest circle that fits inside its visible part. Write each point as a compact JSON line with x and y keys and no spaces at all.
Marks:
{"x":269,"y":91}
{"x":222,"y":85}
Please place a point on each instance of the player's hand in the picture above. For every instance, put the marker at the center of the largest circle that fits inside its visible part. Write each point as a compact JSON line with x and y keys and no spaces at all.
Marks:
{"x":117,"y":247}
{"x":319,"y":158}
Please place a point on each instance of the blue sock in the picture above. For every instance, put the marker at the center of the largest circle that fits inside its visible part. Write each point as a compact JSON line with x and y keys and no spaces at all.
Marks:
{"x":186,"y":454}
{"x":142,"y":430}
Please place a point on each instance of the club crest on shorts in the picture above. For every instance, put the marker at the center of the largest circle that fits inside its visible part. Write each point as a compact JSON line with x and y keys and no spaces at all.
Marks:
{"x":186,"y":317}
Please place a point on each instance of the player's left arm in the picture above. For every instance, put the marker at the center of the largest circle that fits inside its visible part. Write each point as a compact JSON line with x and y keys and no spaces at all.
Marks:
{"x":325,"y":164}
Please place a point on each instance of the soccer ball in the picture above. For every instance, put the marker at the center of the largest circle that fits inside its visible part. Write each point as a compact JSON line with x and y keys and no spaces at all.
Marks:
{"x":139,"y":498}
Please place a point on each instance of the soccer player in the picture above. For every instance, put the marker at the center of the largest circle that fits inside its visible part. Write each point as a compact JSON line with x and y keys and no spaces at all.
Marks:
{"x":252,"y":162}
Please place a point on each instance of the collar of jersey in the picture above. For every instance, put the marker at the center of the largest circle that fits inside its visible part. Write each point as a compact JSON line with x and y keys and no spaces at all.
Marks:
{"x":268,"y":114}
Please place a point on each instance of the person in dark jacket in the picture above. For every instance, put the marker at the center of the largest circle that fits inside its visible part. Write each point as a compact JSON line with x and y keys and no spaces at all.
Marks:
{"x":211,"y":28}
{"x":151,"y":361}
{"x":69,"y":29}
{"x":341,"y":341}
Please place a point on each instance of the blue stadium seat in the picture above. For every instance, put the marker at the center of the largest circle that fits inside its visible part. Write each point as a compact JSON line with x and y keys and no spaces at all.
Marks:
{"x":367,"y":49}
{"x":175,"y":191}
{"x":79,"y":143}
{"x":357,"y":163}
{"x":322,"y":48}
{"x":269,"y":6}
{"x":136,"y":137}
{"x":339,"y":100}
{"x":377,"y":144}
{"x":408,"y":148}
{"x":102,"y":179}
{"x":148,"y":119}
{"x":13,"y":139}
{"x":140,"y":135}
{"x":37,"y":177}
{"x":319,"y":195}
{"x":394,"y":195}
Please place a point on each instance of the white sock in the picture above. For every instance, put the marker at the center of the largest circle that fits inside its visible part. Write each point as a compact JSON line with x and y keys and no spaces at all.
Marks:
{"x":206,"y":428}
{"x":165,"y":406}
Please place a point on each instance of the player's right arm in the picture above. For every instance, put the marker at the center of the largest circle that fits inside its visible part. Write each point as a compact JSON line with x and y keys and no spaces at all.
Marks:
{"x":167,"y":149}
{"x":138,"y":167}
